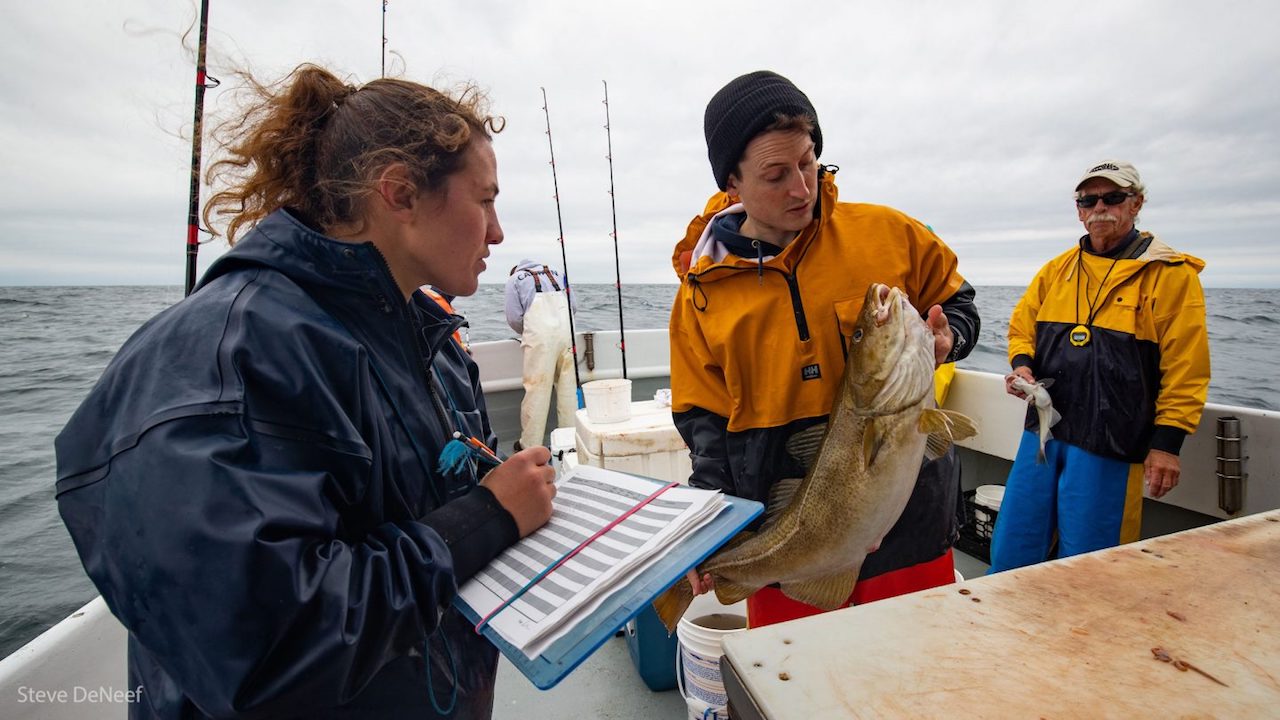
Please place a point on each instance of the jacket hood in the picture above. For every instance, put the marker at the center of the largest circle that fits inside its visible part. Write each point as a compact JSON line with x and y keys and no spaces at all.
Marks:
{"x":309,"y":258}
{"x":349,"y":272}
{"x":697,"y":250}
{"x":1158,"y":251}
{"x":528,"y":264}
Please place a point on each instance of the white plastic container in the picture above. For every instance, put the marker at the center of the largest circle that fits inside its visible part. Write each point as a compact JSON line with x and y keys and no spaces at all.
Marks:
{"x":987,"y":496}
{"x":564,"y":450}
{"x":701,"y":631}
{"x":607,"y":401}
{"x":646,"y":443}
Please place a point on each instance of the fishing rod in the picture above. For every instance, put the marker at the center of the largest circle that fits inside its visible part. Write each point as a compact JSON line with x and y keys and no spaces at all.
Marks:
{"x":613,"y":204}
{"x":384,"y":38}
{"x":197,"y":132}
{"x":564,"y":261}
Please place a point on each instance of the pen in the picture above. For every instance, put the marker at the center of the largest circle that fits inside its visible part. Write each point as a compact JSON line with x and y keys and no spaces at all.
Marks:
{"x":477,"y":446}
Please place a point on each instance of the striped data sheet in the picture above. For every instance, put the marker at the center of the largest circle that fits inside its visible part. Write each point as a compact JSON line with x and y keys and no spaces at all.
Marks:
{"x":587,"y":501}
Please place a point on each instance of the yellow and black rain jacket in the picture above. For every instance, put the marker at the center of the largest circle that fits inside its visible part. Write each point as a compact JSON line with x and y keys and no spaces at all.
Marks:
{"x":758,"y":345}
{"x":1141,"y":379}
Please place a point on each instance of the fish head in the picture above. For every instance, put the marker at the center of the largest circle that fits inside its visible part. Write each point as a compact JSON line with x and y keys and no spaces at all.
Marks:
{"x":891,"y":361}
{"x":1020,"y":384}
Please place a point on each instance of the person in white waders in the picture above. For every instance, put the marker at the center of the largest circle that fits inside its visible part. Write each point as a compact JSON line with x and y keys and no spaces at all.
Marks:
{"x":537,"y":304}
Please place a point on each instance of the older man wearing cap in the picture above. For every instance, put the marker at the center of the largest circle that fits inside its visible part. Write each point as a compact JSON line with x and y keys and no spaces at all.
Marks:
{"x":773,"y":274}
{"x":1118,"y":323}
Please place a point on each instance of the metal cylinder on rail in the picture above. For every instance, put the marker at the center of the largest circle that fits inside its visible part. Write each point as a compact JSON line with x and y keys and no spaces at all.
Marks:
{"x":1231,"y":459}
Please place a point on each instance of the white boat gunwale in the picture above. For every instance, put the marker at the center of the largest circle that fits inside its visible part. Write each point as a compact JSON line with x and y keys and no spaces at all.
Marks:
{"x":87,"y":649}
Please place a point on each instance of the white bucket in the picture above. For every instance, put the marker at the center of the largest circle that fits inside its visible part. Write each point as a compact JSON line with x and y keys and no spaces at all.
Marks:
{"x":988,"y":496}
{"x":700,"y":631}
{"x":607,"y":401}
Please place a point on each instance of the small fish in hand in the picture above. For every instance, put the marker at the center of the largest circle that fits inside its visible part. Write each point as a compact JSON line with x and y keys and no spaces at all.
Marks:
{"x":1038,"y":395}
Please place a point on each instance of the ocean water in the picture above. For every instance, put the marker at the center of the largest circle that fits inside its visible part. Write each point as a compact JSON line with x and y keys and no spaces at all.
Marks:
{"x":55,"y":342}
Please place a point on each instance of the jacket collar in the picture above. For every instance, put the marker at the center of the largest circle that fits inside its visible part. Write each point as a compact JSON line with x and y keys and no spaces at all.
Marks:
{"x":309,"y":258}
{"x":699,"y":251}
{"x":343,"y":272}
{"x":1155,"y":251}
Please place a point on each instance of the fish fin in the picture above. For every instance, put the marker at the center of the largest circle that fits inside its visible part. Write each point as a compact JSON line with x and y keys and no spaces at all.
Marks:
{"x":936,"y":445}
{"x":871,"y":442}
{"x":780,"y":497}
{"x":933,"y":420}
{"x":670,"y":605}
{"x":955,"y":425}
{"x":804,"y":445}
{"x":944,"y":427}
{"x":962,"y":426}
{"x":1054,"y":417}
{"x":826,"y":593}
{"x":728,"y":592}
{"x":1045,"y":383}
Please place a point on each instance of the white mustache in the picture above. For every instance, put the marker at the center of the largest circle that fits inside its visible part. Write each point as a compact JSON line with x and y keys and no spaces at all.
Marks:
{"x":1104,"y":217}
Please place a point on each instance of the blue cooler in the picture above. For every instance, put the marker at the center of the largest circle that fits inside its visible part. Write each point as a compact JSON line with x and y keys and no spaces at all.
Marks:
{"x":652,"y":651}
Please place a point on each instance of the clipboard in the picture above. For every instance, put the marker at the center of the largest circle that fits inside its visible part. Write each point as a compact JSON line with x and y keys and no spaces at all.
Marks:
{"x":567,"y":653}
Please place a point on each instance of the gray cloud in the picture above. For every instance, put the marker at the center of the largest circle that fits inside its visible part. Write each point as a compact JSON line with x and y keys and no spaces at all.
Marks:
{"x":976,"y":118}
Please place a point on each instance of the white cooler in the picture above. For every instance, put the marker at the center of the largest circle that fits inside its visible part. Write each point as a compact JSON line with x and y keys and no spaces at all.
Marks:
{"x":645,"y":444}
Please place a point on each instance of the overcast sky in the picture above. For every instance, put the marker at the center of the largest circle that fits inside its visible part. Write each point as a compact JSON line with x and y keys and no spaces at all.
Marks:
{"x":975,"y":117}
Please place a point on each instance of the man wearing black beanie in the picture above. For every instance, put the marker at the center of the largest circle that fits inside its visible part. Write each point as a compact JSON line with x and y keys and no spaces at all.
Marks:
{"x":773,"y":274}
{"x":742,"y":109}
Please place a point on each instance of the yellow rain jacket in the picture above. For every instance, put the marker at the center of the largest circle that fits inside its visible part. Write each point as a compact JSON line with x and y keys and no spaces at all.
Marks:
{"x":758,"y":348}
{"x":1140,"y":380}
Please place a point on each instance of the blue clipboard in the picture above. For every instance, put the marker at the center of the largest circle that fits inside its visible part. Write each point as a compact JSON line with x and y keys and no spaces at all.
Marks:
{"x":569,"y":651}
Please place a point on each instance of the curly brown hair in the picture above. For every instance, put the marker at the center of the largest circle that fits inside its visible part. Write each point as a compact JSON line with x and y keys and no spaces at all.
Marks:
{"x":315,"y":144}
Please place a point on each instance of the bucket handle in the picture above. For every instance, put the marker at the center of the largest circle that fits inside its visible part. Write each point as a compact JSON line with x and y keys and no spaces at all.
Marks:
{"x":710,"y":713}
{"x":680,"y":672}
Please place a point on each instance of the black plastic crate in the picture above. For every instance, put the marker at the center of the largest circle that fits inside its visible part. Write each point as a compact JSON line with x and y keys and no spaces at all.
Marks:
{"x":975,"y":533}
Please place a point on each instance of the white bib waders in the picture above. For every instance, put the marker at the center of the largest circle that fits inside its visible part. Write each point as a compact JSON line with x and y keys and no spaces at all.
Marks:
{"x":548,"y":360}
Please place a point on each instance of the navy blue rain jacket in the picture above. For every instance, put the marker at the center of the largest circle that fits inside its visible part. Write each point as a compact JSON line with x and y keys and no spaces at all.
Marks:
{"x":252,"y":487}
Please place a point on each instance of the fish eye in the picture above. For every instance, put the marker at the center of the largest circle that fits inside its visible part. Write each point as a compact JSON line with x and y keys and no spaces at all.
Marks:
{"x":857,"y":335}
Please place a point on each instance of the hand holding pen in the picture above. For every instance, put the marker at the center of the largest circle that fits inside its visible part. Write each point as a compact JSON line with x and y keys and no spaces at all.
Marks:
{"x":524,"y":485}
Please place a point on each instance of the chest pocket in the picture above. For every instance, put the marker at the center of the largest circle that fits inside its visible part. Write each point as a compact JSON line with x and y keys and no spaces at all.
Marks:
{"x":460,"y":483}
{"x":847,"y":312}
{"x":1124,"y":312}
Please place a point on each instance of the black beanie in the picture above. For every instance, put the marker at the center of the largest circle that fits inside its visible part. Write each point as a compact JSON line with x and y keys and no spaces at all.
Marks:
{"x":742,"y":109}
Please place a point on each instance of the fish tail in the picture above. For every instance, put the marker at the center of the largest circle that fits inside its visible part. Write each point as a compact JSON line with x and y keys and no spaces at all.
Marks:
{"x":671,"y":604}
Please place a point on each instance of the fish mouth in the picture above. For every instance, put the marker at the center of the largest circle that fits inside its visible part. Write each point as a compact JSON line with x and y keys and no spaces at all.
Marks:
{"x":887,"y":300}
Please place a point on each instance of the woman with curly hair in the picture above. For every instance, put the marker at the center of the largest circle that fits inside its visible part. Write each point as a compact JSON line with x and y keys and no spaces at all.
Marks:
{"x":261,"y":484}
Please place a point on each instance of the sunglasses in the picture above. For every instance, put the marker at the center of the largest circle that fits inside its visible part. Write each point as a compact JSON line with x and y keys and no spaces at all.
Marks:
{"x":1115,"y":197}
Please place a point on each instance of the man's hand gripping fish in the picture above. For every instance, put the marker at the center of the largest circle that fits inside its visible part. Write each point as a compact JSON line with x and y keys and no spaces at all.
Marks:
{"x":861,"y":468}
{"x":1038,"y":395}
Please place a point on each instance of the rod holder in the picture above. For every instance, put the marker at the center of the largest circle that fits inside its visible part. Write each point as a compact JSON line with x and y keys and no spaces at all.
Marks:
{"x":589,"y":349}
{"x":1231,"y":457}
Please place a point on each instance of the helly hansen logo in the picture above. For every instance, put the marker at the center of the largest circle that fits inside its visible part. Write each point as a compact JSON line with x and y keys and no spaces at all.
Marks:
{"x":810,"y":372}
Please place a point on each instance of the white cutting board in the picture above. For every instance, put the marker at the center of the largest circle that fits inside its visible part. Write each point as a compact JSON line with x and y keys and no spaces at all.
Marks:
{"x":1069,"y":638}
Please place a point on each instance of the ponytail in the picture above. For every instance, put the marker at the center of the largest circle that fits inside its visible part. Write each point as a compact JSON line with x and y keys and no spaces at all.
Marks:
{"x":315,"y":144}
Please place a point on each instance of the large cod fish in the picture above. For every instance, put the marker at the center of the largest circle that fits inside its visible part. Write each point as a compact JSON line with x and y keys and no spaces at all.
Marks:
{"x":861,"y":467}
